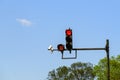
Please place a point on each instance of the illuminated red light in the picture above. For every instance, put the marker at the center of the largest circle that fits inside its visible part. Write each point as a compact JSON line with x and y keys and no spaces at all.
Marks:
{"x":60,"y":47}
{"x":68,"y":32}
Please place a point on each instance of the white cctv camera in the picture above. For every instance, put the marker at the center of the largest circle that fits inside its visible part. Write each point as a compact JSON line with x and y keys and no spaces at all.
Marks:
{"x":50,"y":48}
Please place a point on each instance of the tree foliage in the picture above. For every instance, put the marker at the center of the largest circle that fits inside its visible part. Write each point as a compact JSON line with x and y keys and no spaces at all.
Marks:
{"x":101,"y":69}
{"x":77,"y":71}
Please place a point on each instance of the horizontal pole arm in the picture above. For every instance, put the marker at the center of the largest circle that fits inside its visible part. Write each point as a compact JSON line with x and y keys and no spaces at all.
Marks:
{"x":82,"y":49}
{"x":89,"y":49}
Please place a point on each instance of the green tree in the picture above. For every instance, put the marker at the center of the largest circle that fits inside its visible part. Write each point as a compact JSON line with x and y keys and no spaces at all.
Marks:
{"x":77,"y":71}
{"x":101,"y":69}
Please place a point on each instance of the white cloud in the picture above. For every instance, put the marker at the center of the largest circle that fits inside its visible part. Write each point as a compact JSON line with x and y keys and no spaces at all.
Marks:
{"x":24,"y":22}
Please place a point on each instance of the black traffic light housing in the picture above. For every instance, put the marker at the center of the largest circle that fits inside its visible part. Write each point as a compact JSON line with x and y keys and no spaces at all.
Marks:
{"x":60,"y":47}
{"x":68,"y":39}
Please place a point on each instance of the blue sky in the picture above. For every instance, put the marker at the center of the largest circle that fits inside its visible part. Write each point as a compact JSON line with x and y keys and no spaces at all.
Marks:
{"x":28,"y":27}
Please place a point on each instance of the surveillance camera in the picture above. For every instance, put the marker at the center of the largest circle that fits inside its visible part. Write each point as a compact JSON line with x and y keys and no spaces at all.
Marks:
{"x":50,"y":48}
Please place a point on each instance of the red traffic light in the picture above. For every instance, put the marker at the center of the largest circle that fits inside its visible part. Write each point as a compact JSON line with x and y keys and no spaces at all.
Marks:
{"x":68,"y":32}
{"x":68,"y":39}
{"x":61,"y":47}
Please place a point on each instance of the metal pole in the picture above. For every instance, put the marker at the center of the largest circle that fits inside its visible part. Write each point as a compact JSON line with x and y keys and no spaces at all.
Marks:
{"x":108,"y":59}
{"x":108,"y":62}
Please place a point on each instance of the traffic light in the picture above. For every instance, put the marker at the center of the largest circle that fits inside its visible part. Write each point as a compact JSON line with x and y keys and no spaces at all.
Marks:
{"x":61,"y":47}
{"x":68,"y":33}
